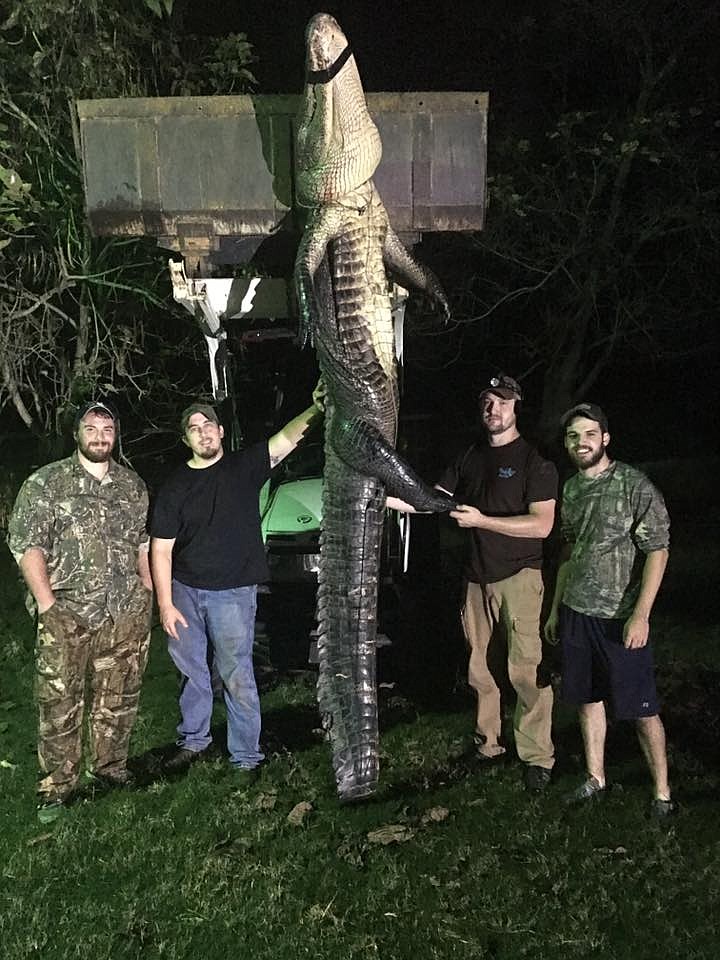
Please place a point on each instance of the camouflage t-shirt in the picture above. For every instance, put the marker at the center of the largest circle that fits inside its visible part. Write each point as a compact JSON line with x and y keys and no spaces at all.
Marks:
{"x":611,"y":520}
{"x":89,"y":530}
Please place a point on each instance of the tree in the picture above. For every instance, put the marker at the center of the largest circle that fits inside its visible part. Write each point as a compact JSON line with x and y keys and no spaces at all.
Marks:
{"x":78,"y":314}
{"x":601,"y":233}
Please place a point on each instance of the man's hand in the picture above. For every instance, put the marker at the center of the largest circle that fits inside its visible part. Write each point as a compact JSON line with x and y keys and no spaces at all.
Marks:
{"x":170,"y":617}
{"x":44,"y":607}
{"x":551,"y":628}
{"x":467,"y":516}
{"x":636,"y":632}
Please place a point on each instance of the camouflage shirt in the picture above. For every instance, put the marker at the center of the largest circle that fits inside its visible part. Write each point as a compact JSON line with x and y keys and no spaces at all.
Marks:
{"x":89,"y":530}
{"x":611,"y":520}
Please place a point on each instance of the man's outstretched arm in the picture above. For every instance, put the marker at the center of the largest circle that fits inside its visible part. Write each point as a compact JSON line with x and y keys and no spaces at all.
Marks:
{"x":284,"y":441}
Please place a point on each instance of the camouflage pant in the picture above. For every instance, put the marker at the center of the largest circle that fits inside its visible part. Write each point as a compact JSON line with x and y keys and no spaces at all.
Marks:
{"x":73,"y":661}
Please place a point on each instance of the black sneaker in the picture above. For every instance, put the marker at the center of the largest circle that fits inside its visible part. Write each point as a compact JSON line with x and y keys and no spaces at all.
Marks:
{"x":536,"y":778}
{"x":663,"y":809}
{"x":480,"y":765}
{"x":182,"y":759}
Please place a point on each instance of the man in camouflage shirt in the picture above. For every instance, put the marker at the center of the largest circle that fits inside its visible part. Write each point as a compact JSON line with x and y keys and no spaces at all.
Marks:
{"x":78,"y":533}
{"x":616,"y":530}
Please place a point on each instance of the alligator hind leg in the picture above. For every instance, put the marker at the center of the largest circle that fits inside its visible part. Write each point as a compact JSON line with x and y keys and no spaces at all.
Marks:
{"x":363,"y":447}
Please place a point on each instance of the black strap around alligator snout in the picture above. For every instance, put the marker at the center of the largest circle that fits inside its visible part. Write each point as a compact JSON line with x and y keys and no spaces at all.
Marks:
{"x":325,"y":76}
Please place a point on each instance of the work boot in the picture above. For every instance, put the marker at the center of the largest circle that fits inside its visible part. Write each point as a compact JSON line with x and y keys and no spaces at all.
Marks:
{"x":112,"y":779}
{"x":536,"y":778}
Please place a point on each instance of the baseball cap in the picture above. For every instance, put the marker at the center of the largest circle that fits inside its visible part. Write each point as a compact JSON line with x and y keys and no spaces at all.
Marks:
{"x":94,"y":406}
{"x":591,"y":411}
{"x":504,"y":387}
{"x":204,"y":408}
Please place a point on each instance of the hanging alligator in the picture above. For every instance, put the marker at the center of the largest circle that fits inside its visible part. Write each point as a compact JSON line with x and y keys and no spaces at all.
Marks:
{"x":343,"y":295}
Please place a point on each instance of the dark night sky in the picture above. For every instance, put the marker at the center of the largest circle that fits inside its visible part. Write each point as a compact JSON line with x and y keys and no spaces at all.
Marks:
{"x":398,"y":45}
{"x":525,"y":52}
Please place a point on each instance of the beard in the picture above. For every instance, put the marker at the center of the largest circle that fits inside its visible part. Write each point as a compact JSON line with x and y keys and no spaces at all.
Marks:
{"x":495,"y":425}
{"x":584,"y":462}
{"x":493,"y":428}
{"x":207,"y":453}
{"x":96,"y":452}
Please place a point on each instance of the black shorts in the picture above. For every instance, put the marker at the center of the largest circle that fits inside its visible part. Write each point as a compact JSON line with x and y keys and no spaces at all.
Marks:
{"x":597,"y":666}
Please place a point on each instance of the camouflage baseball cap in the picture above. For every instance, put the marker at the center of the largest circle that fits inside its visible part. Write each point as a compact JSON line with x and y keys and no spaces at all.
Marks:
{"x":503,"y":386}
{"x":94,"y":406}
{"x":204,"y":408}
{"x":591,"y":411}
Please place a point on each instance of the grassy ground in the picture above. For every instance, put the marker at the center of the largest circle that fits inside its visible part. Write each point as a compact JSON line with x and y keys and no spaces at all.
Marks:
{"x":471,"y":866}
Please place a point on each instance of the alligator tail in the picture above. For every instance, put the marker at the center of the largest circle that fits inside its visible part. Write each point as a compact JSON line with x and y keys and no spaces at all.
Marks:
{"x":353,"y":509}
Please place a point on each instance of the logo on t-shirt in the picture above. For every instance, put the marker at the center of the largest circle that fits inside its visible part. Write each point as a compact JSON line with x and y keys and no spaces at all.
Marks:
{"x":506,"y":472}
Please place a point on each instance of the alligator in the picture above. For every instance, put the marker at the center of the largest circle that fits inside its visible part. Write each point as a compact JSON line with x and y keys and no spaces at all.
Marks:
{"x":343,"y":296}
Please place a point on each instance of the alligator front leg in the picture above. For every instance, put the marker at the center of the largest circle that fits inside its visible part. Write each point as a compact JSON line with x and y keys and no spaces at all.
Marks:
{"x":322,"y":226}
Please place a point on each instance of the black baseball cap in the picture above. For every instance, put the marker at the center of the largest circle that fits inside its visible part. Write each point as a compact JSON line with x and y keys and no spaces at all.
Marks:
{"x":591,"y":411}
{"x":204,"y":408}
{"x":95,"y":406}
{"x":503,"y":386}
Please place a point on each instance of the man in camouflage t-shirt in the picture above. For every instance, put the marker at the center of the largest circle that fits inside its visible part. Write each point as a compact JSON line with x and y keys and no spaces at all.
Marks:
{"x":616,"y":530}
{"x":78,"y":533}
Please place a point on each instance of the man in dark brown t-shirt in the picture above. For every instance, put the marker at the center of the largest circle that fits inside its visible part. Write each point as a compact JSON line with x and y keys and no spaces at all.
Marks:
{"x":508,"y":495}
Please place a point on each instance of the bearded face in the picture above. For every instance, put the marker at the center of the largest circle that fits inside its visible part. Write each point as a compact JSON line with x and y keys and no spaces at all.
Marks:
{"x":586,"y":443}
{"x":498,"y":413}
{"x":204,"y":437}
{"x":96,"y":437}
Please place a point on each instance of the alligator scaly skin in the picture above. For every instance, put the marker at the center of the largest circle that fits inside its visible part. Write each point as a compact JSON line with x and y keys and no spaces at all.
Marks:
{"x":345,"y":307}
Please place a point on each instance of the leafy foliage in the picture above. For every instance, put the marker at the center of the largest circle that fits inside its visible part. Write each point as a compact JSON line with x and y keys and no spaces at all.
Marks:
{"x":78,"y":315}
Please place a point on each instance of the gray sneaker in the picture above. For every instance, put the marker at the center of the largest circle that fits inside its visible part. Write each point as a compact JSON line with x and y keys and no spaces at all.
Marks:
{"x":591,"y":789}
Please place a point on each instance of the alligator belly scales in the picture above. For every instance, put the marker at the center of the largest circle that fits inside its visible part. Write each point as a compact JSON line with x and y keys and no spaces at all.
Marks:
{"x":343,"y":294}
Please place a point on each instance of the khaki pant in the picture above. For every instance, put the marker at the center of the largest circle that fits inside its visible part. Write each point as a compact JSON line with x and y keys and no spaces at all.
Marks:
{"x":109,"y":662}
{"x":515,"y":602}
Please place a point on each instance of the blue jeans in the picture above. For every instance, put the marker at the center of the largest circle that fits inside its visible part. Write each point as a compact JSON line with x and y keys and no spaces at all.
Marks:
{"x":225,"y":619}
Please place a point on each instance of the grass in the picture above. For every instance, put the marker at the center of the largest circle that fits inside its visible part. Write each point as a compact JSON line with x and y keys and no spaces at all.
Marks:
{"x":474,"y":867}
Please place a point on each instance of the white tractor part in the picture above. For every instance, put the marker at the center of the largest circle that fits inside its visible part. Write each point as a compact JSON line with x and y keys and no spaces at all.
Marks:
{"x":207,"y":300}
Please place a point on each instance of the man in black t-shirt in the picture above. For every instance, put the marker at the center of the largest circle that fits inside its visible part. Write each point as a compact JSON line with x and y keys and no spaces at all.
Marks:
{"x":207,"y":558}
{"x":508,"y":495}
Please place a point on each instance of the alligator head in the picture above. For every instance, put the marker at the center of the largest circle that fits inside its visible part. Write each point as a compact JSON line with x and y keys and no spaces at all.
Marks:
{"x":338,"y":145}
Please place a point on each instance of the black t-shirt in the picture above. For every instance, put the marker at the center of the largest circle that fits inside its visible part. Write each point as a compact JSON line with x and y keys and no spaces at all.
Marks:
{"x":501,"y":482}
{"x":213,"y":516}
